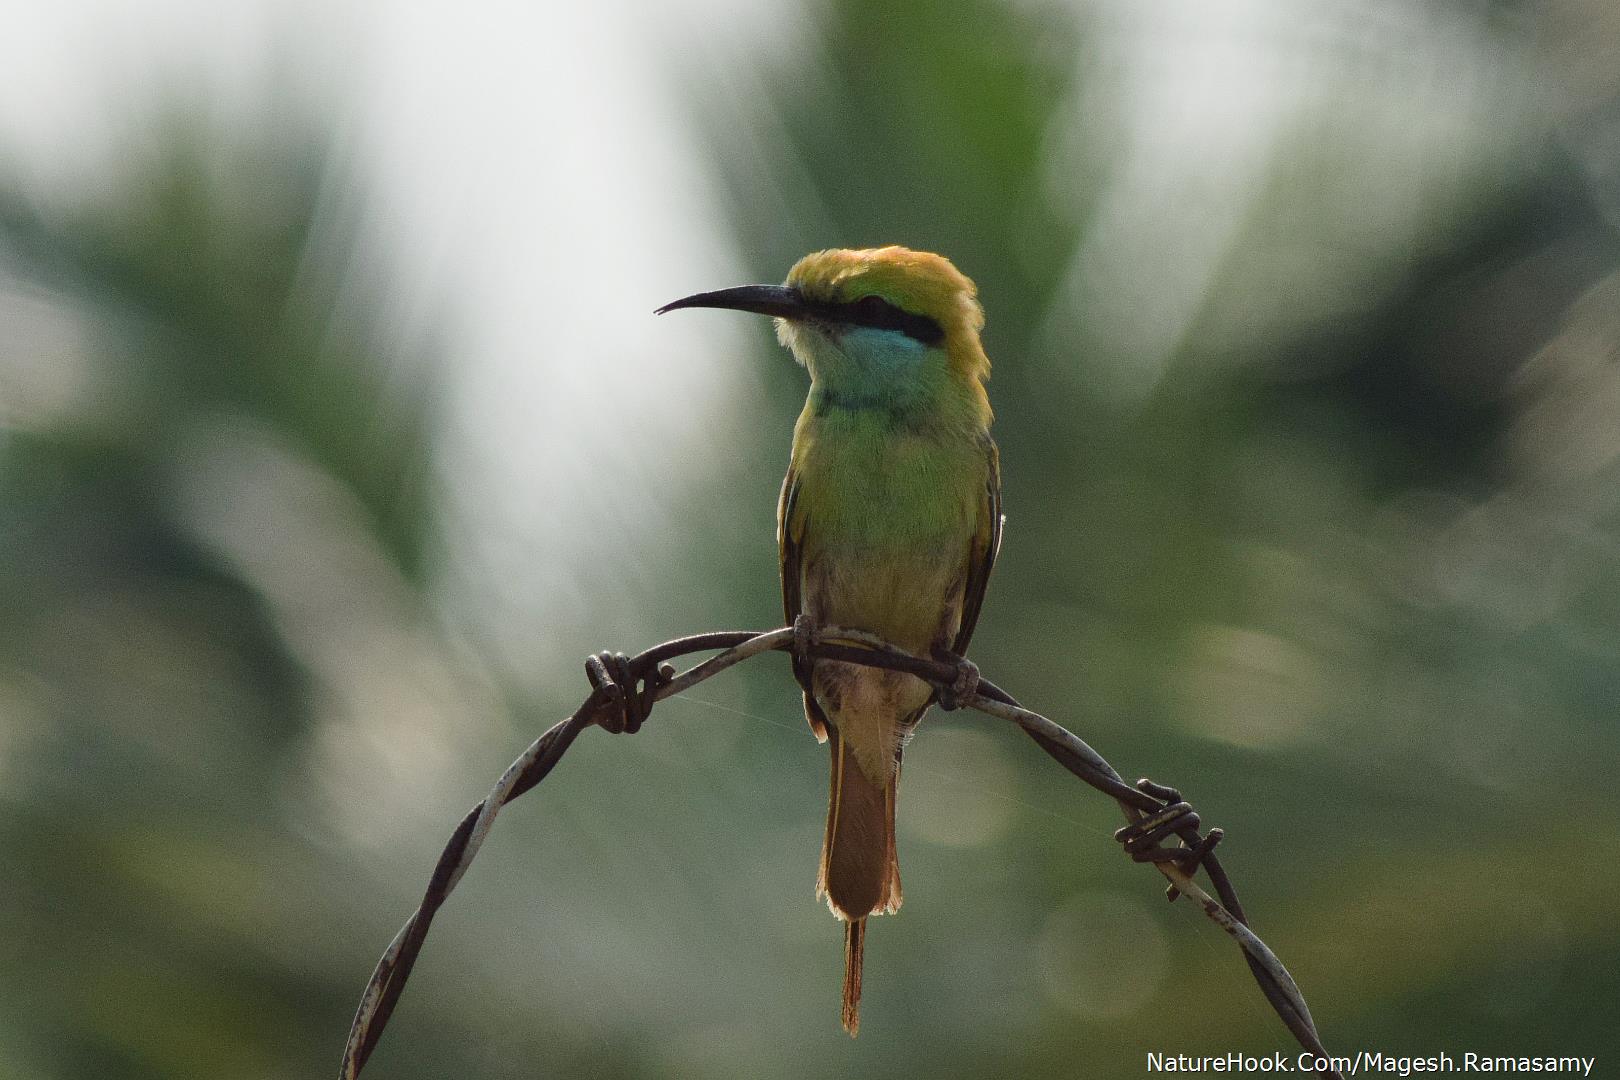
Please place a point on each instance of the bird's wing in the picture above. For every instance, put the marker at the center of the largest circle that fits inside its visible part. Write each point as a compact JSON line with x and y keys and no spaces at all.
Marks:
{"x":982,"y":553}
{"x":789,"y":534}
{"x":789,"y":540}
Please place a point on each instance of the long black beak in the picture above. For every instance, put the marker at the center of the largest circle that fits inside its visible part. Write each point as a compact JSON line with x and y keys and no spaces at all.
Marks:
{"x":778,"y":300}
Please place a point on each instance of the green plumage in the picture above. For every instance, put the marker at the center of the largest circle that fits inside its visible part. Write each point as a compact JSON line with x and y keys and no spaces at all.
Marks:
{"x":897,"y":505}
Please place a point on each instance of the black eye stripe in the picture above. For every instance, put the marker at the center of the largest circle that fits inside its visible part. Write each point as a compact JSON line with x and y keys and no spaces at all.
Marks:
{"x":876,"y":312}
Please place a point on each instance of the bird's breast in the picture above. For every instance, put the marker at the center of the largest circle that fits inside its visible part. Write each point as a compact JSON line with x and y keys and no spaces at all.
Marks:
{"x":889,"y":521}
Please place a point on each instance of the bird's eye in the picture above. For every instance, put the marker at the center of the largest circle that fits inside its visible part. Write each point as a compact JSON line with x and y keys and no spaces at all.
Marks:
{"x":875,"y":311}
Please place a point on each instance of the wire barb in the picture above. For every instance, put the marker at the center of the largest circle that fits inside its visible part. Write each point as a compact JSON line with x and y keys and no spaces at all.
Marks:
{"x":1142,"y":838}
{"x":614,"y":678}
{"x":623,"y":692}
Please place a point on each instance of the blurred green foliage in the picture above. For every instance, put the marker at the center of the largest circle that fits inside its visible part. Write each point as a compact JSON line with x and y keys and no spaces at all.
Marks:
{"x":152,"y":703}
{"x":1344,"y":571}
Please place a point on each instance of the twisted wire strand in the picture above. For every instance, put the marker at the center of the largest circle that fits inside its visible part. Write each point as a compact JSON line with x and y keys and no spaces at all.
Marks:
{"x":624,"y":690}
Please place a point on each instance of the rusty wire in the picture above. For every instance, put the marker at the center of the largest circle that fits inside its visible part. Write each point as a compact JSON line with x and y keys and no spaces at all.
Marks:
{"x":624,"y":690}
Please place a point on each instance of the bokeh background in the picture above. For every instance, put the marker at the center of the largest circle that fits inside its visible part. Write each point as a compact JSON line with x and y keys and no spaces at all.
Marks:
{"x":335,"y":429}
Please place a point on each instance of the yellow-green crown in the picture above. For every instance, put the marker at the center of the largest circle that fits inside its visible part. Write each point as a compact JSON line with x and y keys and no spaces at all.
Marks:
{"x":920,"y":282}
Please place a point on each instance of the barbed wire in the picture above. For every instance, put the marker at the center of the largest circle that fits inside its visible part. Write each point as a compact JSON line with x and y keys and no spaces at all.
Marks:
{"x":623,"y":691}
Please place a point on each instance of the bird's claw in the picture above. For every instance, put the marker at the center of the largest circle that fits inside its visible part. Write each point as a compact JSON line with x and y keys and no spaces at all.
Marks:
{"x":805,"y":635}
{"x":626,"y":694}
{"x":1141,"y":839}
{"x":965,"y":685}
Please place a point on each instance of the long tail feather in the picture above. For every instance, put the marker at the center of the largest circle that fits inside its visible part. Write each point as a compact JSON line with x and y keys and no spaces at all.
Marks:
{"x":854,"y":958}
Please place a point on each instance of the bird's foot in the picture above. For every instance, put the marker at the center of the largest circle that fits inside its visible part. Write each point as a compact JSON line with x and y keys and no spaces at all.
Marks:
{"x":1177,"y":818}
{"x":626,"y":694}
{"x":806,"y":634}
{"x":965,"y":685}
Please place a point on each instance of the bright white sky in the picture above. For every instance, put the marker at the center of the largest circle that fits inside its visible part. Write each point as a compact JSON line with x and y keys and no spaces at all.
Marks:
{"x":531,"y":166}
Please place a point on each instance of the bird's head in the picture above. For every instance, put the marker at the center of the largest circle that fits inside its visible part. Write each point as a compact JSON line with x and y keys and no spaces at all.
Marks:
{"x":888,"y":314}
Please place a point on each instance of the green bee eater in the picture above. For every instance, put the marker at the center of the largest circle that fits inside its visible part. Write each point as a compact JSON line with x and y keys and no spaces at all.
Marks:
{"x":889,"y":522}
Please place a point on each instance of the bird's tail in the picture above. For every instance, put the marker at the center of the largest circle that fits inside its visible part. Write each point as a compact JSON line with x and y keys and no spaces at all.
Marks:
{"x":860,"y":872}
